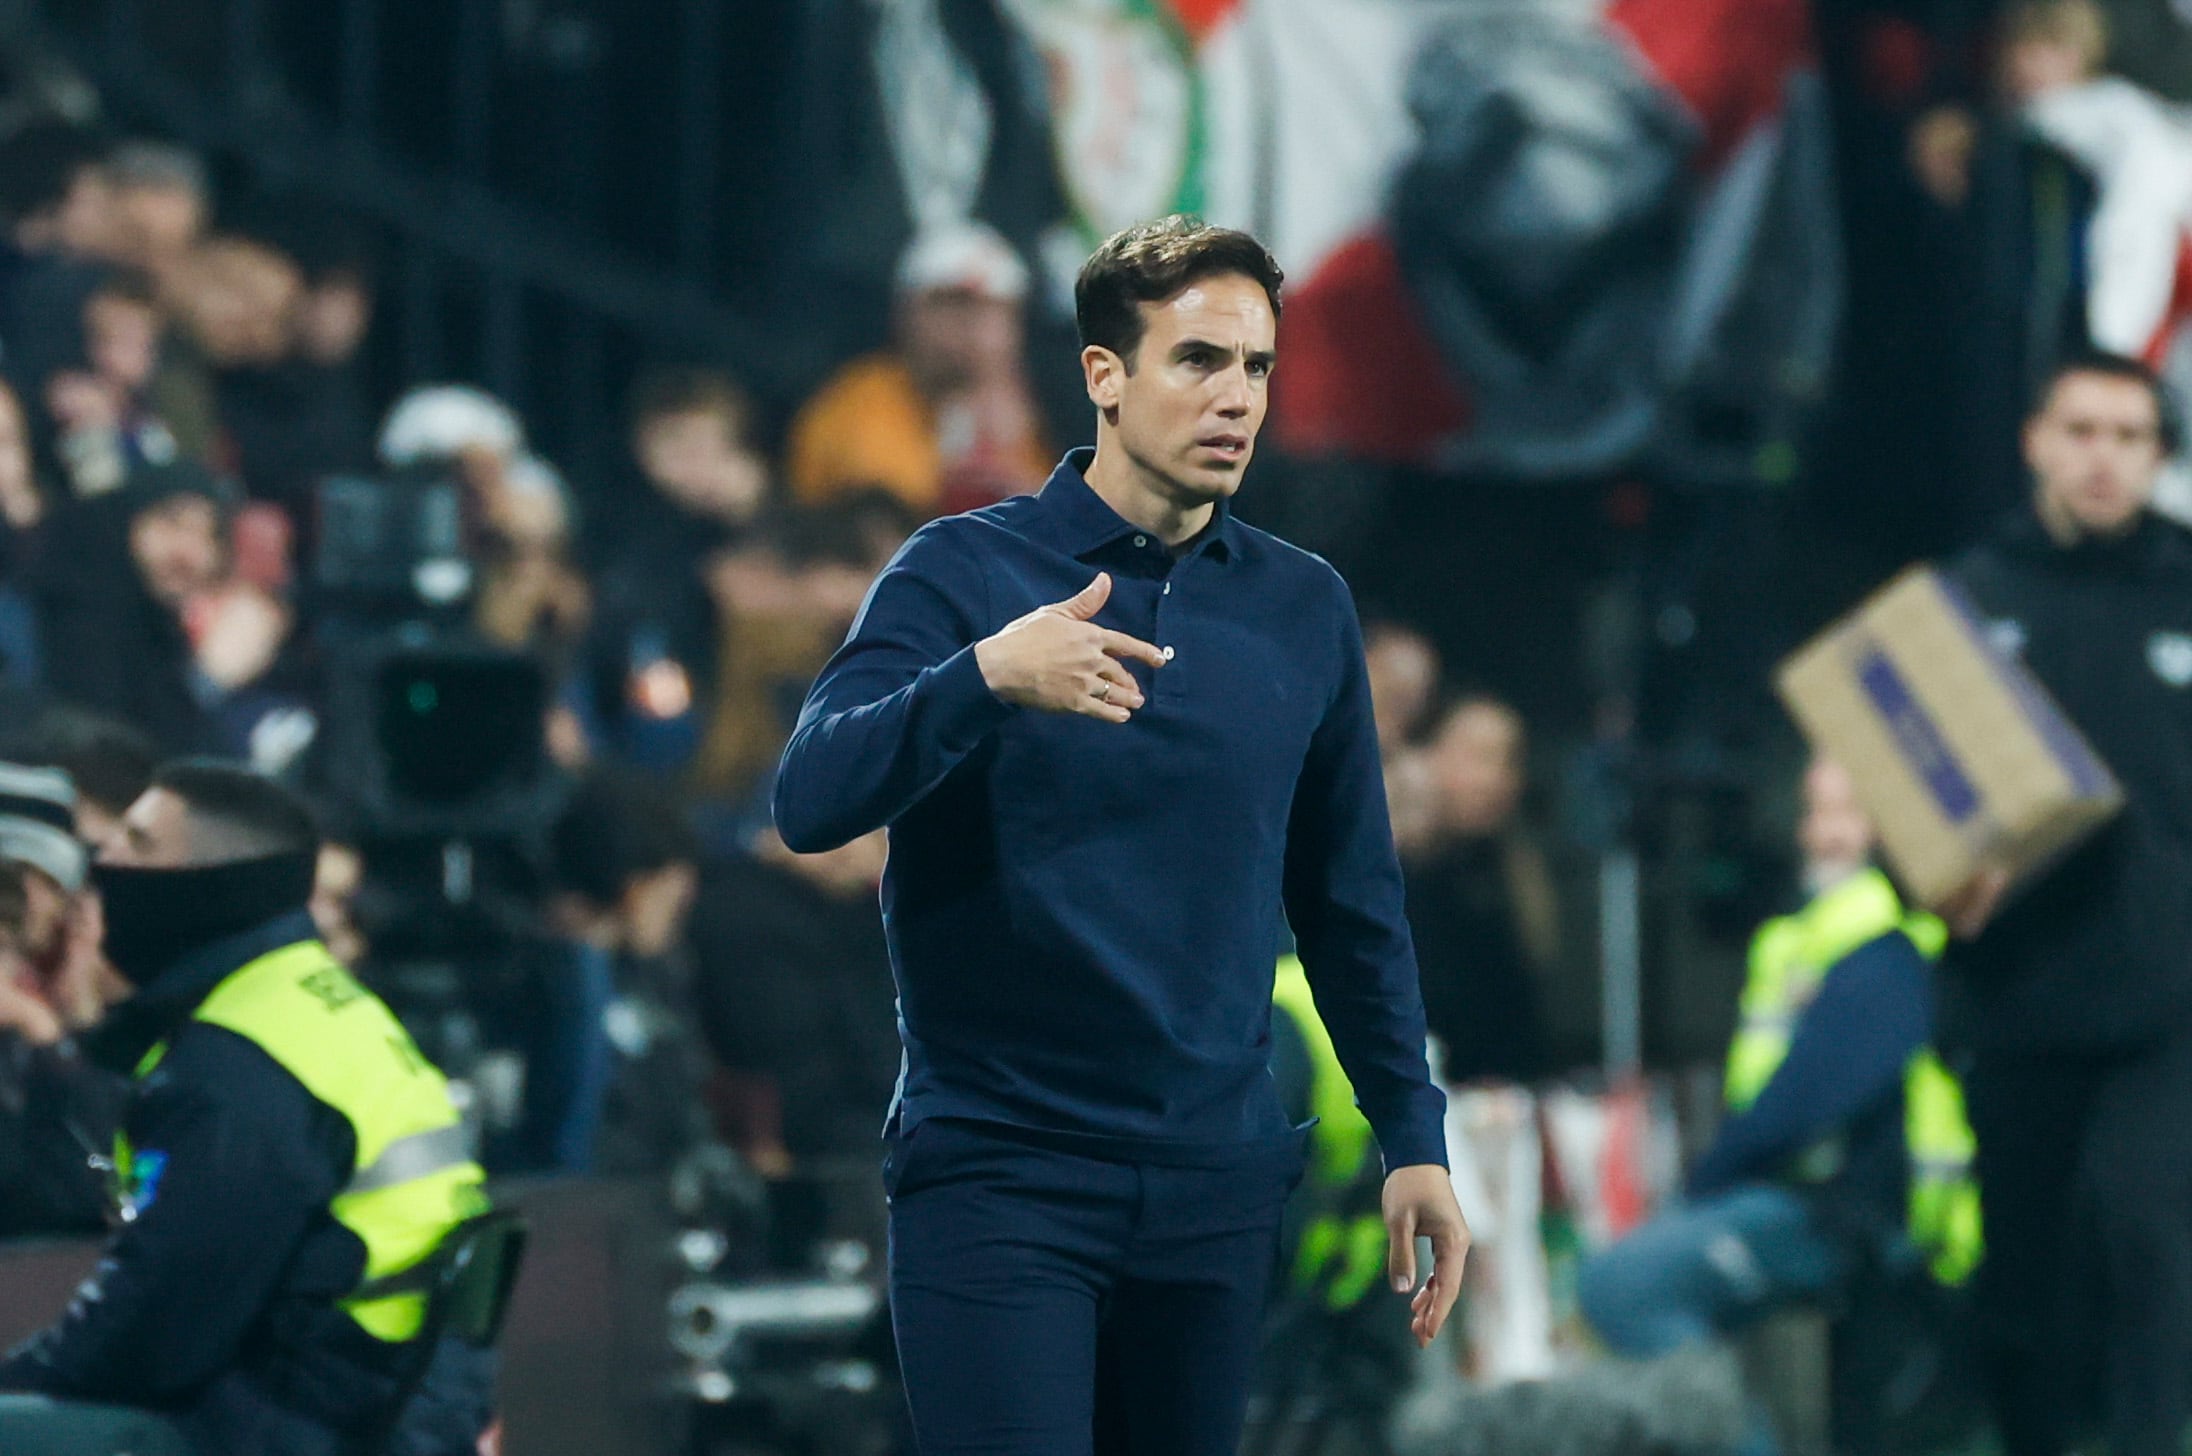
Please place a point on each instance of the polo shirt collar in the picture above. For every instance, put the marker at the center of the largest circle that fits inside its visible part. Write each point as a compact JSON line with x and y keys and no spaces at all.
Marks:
{"x":1077,"y":521}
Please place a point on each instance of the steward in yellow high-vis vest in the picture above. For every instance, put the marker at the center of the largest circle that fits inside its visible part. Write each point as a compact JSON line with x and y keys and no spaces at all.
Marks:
{"x":287,"y":1158}
{"x":1845,"y":1152}
{"x":1789,"y":957}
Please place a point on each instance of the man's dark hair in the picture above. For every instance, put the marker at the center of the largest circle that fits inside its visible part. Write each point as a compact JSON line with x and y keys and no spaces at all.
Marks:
{"x":111,"y":762}
{"x":2117,"y":366}
{"x":685,"y":389}
{"x":1151,"y":261}
{"x":615,"y":827}
{"x":40,"y":164}
{"x":249,"y":815}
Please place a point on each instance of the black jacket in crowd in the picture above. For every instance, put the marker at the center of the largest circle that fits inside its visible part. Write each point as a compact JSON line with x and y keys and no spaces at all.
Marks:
{"x":2096,"y":955}
{"x":217,"y":1301}
{"x":108,"y":644}
{"x":57,"y":1111}
{"x":794,"y":983}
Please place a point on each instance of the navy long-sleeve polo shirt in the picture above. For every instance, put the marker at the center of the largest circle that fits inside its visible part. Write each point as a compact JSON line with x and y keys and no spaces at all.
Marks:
{"x":1084,"y":917}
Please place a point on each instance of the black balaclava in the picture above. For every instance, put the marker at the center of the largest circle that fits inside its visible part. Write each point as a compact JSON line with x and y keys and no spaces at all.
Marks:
{"x":156,"y":917}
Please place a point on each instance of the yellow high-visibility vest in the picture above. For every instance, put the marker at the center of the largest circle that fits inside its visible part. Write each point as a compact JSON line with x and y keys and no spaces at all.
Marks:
{"x":413,"y":1178}
{"x":1342,"y":1251}
{"x":1789,"y":957}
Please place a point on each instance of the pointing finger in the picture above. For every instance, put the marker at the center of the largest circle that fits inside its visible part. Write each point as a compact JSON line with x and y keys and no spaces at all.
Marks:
{"x":1119,"y":645}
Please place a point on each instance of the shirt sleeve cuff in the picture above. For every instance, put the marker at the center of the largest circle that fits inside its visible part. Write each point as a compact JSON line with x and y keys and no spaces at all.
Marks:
{"x":1414,"y":1134}
{"x":963,"y":706}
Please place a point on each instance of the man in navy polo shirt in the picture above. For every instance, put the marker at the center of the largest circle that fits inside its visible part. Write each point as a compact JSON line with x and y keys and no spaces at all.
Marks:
{"x":1121,"y":741}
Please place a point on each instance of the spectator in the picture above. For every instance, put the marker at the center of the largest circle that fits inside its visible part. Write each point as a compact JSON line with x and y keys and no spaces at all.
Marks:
{"x":100,"y":405}
{"x":629,"y":1065}
{"x":1848,"y":1150}
{"x":693,"y":437}
{"x":531,"y":596}
{"x":1404,"y":679}
{"x":796,"y":998}
{"x":518,"y":510}
{"x":944,"y":420}
{"x":652,"y":655}
{"x":118,"y":578}
{"x":23,"y":511}
{"x":54,"y":1111}
{"x":2137,"y":150}
{"x":1403,"y":668}
{"x":241,"y":300}
{"x":1480,"y":901}
{"x":58,"y":209}
{"x":160,"y":207}
{"x":452,"y":426}
{"x":330,"y":322}
{"x":784,"y":596}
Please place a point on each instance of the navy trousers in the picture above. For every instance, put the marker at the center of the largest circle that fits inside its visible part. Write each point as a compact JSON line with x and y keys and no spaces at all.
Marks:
{"x":1051,"y":1304}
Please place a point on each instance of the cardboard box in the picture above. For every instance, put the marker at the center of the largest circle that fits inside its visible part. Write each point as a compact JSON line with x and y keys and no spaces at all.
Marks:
{"x":1958,"y":754}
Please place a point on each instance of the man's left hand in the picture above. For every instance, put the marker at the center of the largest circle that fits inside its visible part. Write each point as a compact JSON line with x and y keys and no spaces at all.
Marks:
{"x":1419,"y":1202}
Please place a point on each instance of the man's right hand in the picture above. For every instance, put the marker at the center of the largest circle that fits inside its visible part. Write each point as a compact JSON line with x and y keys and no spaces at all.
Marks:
{"x":1058,"y":660}
{"x":1971,"y":909}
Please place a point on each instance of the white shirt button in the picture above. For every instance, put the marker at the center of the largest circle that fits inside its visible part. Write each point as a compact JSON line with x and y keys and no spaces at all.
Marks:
{"x":1168,"y":654}
{"x":1168,"y":589}
{"x":1141,"y":540}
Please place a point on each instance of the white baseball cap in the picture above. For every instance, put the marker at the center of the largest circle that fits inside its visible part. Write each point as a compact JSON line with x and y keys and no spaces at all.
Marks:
{"x":963,"y":256}
{"x":435,"y":421}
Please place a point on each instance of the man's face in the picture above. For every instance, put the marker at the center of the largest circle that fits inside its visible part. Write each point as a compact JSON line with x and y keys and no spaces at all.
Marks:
{"x":45,"y":916}
{"x":122,"y":336}
{"x":331,"y":319}
{"x":176,"y":545}
{"x":1189,"y":410}
{"x":2035,"y":66}
{"x":2095,"y":451}
{"x":952,"y":337}
{"x":695,"y":459}
{"x":155,"y":833}
{"x":1476,"y":768}
{"x":1834,"y":835}
{"x":85,"y":222}
{"x":158,"y":222}
{"x":1403,"y":669}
